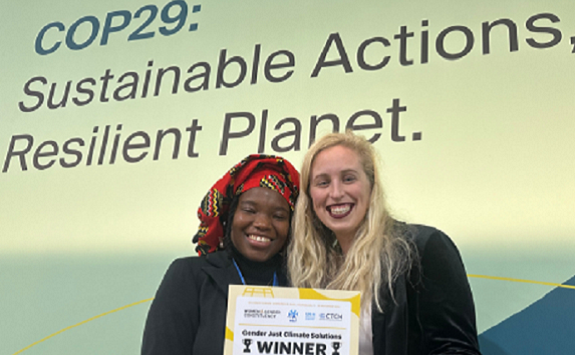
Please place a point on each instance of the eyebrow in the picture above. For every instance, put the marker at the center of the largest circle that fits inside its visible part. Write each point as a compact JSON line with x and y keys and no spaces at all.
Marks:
{"x":346,"y":171}
{"x":254,"y":203}
{"x":318,"y":177}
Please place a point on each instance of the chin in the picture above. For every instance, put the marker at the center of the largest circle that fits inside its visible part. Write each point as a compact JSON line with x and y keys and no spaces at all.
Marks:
{"x":257,"y":257}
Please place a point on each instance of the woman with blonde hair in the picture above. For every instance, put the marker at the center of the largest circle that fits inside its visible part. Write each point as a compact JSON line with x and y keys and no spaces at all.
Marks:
{"x":415,"y":294}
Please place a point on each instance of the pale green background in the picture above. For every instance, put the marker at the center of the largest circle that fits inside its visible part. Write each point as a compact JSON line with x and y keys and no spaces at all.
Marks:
{"x":494,"y":169}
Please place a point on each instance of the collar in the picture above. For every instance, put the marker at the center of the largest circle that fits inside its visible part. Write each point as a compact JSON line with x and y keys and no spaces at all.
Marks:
{"x":221,"y":269}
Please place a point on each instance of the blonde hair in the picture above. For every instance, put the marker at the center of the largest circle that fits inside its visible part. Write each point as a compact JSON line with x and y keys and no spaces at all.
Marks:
{"x":379,"y":253}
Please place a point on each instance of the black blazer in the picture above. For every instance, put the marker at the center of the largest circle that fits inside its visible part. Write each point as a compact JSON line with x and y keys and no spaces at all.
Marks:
{"x":434,"y":311}
{"x":188,"y":315}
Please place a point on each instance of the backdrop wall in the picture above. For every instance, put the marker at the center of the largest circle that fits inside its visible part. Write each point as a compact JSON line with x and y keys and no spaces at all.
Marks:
{"x":117,"y":116}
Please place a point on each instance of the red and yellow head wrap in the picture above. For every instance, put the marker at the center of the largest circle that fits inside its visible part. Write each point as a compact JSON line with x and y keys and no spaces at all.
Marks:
{"x":256,"y":170}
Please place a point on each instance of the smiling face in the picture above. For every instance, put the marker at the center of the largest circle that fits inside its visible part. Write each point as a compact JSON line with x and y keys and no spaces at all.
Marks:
{"x":261,"y":224}
{"x":340,"y":191}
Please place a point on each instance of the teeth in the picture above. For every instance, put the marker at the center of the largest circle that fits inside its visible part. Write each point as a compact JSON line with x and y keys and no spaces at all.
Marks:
{"x":259,"y":238}
{"x":340,"y":209}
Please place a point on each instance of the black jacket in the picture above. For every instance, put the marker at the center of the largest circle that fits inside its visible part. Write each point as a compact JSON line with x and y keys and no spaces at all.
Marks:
{"x":188,"y":315}
{"x":434,"y":311}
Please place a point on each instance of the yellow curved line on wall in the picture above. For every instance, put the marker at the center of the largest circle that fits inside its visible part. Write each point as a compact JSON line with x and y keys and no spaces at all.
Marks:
{"x":82,"y":322}
{"x":229,"y":334}
{"x":520,"y":280}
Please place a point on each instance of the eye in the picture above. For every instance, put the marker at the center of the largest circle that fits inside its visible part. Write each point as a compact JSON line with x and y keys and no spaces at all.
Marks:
{"x":280,"y":217}
{"x":349,"y":178}
{"x":321,"y":183}
{"x":248,"y":210}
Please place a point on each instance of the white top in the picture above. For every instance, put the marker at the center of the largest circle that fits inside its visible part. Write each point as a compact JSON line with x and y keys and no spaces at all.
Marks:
{"x":365,"y":333}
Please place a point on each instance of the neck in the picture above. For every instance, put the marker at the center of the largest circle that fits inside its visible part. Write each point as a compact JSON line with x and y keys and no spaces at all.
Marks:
{"x":345,"y":241}
{"x":255,"y":272}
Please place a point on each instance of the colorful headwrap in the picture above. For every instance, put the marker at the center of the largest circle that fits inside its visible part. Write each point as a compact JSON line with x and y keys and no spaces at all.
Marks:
{"x":256,"y":170}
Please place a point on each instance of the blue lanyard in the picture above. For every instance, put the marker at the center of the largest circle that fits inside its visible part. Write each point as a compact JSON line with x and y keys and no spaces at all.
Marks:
{"x":275,"y":282}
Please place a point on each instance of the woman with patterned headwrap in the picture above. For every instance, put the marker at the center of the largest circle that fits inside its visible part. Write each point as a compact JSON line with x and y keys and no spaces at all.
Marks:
{"x":244,"y":225}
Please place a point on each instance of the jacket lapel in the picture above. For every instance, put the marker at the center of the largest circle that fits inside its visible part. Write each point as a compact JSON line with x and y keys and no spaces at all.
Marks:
{"x":390,"y":328}
{"x":222,"y":271}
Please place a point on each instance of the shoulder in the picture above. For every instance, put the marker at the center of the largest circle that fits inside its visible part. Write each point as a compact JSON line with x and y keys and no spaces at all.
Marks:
{"x":194,"y":264}
{"x":190,"y":264}
{"x":185,"y":276}
{"x":421,"y":233}
{"x":182,"y":272}
{"x":437,"y":257}
{"x":429,"y":240}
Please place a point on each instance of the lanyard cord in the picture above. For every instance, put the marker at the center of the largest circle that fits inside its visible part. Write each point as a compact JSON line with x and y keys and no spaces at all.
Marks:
{"x":275,"y":282}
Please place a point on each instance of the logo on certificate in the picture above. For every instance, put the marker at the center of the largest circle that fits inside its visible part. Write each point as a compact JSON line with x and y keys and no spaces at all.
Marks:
{"x":309,"y":316}
{"x":292,"y":315}
{"x":331,"y":316}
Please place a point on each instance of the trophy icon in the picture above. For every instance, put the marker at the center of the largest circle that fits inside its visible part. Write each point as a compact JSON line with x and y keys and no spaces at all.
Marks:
{"x":335,"y":345}
{"x":247,"y":344}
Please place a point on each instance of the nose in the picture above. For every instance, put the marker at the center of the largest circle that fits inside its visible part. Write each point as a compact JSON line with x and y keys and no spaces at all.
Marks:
{"x":336,"y":190}
{"x":262,"y":221}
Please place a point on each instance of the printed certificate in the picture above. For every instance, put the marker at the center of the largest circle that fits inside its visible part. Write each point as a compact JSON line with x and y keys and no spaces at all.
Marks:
{"x":291,"y":321}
